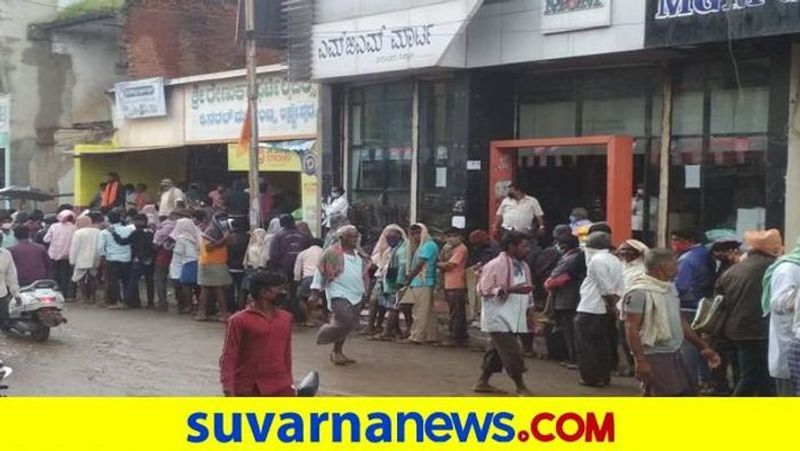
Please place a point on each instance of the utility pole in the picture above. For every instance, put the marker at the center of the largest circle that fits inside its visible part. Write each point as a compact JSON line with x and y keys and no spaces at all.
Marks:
{"x":252,"y":102}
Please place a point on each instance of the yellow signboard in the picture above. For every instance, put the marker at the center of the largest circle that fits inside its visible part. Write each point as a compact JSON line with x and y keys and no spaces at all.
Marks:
{"x":270,"y":159}
{"x":291,"y":156}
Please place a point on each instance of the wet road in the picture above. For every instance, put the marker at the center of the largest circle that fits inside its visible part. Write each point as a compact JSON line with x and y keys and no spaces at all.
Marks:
{"x":143,"y":353}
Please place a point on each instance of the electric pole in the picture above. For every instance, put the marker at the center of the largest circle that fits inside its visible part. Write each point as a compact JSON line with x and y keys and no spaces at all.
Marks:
{"x":252,"y":101}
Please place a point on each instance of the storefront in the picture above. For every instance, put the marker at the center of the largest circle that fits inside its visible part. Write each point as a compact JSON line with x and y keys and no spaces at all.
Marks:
{"x":190,"y":141}
{"x":733,"y":148}
{"x":415,"y":146}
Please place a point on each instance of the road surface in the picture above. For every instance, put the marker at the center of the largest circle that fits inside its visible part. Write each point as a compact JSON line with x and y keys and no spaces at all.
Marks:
{"x":145,"y":353}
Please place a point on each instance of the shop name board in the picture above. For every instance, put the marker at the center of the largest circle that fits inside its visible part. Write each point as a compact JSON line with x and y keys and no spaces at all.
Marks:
{"x":215,"y":111}
{"x":668,"y":9}
{"x":564,"y":16}
{"x":403,"y":38}
{"x":411,"y":38}
{"x":567,"y":6}
{"x":689,"y":22}
{"x":141,"y":98}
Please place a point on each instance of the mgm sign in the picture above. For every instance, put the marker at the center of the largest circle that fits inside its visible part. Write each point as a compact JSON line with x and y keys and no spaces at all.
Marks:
{"x":567,"y":6}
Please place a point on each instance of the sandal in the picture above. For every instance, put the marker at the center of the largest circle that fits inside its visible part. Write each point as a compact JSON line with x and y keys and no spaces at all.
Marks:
{"x":337,"y":361}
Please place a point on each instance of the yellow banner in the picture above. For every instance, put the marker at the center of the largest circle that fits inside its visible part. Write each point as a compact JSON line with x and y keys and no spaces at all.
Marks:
{"x":155,"y":424}
{"x":269,"y":160}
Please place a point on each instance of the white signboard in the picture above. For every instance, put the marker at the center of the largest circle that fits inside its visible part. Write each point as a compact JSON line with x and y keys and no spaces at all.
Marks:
{"x":561,"y":16}
{"x":215,"y":110}
{"x":5,"y":113}
{"x":406,"y":39}
{"x":141,"y":98}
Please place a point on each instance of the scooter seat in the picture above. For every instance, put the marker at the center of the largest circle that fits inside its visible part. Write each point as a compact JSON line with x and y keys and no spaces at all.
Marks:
{"x":40,"y":284}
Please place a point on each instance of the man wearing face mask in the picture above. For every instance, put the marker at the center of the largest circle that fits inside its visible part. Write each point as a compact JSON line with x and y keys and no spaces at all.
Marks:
{"x":695,"y":280}
{"x":8,"y":236}
{"x":727,"y":252}
{"x":336,"y":207}
{"x":519,"y":212}
{"x":455,"y":285}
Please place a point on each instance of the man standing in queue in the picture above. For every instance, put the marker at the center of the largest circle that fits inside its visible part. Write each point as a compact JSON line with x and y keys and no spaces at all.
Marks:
{"x":656,"y":330}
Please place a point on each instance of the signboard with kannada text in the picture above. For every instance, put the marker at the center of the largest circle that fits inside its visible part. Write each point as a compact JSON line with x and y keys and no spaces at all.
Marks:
{"x":409,"y":38}
{"x":139,"y":99}
{"x":215,"y":110}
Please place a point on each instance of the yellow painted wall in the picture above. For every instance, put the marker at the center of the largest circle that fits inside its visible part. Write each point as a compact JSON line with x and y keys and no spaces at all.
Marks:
{"x":148,"y":167}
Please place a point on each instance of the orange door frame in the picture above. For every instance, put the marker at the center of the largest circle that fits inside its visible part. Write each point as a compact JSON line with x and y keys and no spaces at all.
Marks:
{"x":619,"y":166}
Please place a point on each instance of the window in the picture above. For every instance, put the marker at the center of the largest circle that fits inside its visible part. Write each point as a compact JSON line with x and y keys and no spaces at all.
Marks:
{"x":719,"y":144}
{"x":380,"y":153}
{"x":442,"y":178}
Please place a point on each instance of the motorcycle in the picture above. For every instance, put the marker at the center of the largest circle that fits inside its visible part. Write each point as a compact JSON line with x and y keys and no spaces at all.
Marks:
{"x":5,"y":371}
{"x":39,"y":310}
{"x":308,"y":386}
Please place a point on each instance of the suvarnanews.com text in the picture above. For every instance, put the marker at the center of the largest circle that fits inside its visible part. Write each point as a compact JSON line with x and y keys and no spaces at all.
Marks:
{"x":401,"y":427}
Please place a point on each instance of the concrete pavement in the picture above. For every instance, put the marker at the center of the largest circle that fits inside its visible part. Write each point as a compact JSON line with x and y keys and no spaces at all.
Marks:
{"x":145,"y":353}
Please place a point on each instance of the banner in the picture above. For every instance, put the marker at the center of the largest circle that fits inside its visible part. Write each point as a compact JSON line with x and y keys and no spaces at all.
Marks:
{"x":216,"y":110}
{"x":429,"y":424}
{"x":141,"y":98}
{"x":288,"y":156}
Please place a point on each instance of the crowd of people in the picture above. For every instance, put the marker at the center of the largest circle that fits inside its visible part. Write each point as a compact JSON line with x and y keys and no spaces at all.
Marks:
{"x":600,"y":309}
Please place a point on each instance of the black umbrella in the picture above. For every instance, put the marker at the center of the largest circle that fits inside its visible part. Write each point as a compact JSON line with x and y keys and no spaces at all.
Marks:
{"x":25,"y":193}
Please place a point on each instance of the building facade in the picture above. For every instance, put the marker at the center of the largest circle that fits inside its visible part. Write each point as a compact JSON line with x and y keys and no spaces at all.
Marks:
{"x":418,"y":91}
{"x":192,"y":139}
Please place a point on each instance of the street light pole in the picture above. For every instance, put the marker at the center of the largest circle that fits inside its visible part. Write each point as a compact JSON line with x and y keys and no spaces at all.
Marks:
{"x":252,"y":102}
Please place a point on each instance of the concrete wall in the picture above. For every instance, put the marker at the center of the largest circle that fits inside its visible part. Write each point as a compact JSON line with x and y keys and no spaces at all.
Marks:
{"x":510,"y":32}
{"x":333,"y":10}
{"x":156,"y":131}
{"x":24,"y":69}
{"x":90,"y":54}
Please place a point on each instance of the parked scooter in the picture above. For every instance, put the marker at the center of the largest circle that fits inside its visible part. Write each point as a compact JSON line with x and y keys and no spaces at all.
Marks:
{"x":5,"y":371}
{"x":39,"y":310}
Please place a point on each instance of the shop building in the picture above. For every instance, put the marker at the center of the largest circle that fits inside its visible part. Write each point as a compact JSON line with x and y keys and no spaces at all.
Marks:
{"x":189,"y":134}
{"x":416,"y":93}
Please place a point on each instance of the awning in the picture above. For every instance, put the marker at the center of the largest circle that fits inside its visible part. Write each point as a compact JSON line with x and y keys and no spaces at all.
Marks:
{"x":406,"y":39}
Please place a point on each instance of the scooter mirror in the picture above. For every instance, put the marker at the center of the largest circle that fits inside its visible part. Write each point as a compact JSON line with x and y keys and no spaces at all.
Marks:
{"x":309,"y":385}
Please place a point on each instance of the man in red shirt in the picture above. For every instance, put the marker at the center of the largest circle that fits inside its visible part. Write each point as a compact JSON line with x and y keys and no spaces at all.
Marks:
{"x":257,"y":356}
